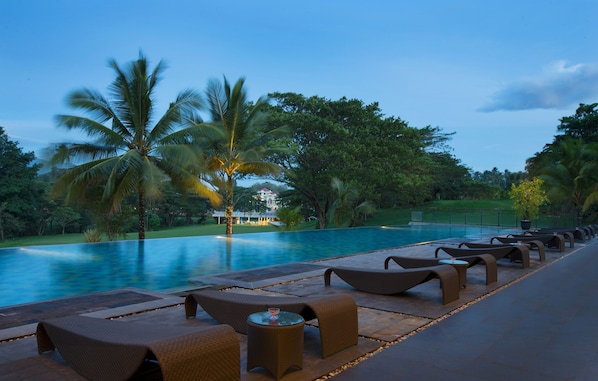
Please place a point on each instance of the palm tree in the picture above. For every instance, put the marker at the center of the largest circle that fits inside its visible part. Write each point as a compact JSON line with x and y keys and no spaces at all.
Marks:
{"x":572,"y":178}
{"x":236,"y":140}
{"x":130,"y":154}
{"x":346,"y":208}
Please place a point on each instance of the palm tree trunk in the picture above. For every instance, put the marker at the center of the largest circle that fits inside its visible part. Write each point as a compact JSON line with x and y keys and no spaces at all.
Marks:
{"x":229,"y":206}
{"x":141,"y":215}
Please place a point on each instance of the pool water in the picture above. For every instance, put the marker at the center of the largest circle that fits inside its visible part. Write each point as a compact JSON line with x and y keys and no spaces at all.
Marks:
{"x":35,"y":273}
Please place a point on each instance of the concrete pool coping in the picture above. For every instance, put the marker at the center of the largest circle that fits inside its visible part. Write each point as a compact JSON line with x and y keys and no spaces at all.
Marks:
{"x":383,"y":321}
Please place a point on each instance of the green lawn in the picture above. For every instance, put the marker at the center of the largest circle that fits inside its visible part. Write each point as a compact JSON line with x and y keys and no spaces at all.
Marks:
{"x":180,"y":231}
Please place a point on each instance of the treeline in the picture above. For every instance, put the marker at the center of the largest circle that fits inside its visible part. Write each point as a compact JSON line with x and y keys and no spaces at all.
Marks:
{"x":383,"y":159}
{"x":569,"y":165}
{"x":339,"y":161}
{"x":378,"y":159}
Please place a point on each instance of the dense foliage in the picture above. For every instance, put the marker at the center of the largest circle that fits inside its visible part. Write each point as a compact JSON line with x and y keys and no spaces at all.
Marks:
{"x":385,"y":160}
{"x":569,"y":165}
{"x":338,"y":161}
{"x":528,"y":196}
{"x":21,"y":194}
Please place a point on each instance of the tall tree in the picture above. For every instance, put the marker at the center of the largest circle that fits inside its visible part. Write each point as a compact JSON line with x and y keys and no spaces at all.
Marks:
{"x":584,"y":124}
{"x":383,"y":157}
{"x":572,"y":179}
{"x":20,"y":193}
{"x":449,"y":176}
{"x":348,"y":207}
{"x":130,"y":153}
{"x":237,"y":141}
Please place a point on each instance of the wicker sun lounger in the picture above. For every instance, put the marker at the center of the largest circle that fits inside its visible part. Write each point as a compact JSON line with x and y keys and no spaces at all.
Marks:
{"x":100,"y":349}
{"x":389,"y":282}
{"x":534,"y":244}
{"x":580,"y":233}
{"x":336,"y":314}
{"x":539,"y":246}
{"x":549,"y":240}
{"x":570,"y":234}
{"x":514,"y":253}
{"x":409,"y":262}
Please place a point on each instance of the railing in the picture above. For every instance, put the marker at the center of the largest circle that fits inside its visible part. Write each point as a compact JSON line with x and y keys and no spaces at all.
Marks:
{"x":494,"y":217}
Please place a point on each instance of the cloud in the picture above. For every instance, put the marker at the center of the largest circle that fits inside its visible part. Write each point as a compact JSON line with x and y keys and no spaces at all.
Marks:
{"x":559,"y":86}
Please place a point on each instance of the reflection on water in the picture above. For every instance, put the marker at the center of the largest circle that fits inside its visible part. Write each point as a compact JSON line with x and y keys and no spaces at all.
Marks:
{"x":45,"y":272}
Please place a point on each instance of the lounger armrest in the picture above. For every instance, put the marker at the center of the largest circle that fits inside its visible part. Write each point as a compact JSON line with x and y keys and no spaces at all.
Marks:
{"x":44,"y":343}
{"x":327,"y":275}
{"x":449,"y":282}
{"x":337,"y":321}
{"x":190,"y":306}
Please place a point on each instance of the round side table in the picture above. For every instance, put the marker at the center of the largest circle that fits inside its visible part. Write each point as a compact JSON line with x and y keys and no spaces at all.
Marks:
{"x":275,"y":344}
{"x":460,"y":266}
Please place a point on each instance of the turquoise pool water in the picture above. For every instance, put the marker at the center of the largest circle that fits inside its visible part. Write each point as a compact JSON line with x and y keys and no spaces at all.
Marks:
{"x":35,"y":273}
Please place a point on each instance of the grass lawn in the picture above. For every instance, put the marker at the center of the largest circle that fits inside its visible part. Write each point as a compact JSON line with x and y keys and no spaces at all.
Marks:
{"x":179,"y":231}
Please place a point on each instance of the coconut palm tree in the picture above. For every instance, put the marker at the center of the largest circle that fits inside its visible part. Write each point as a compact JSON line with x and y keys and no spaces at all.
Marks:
{"x":572,"y":179}
{"x":236,"y":141}
{"x":346,"y":208}
{"x":130,"y":154}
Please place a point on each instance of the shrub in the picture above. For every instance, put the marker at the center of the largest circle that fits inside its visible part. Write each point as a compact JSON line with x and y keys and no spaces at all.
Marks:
{"x":92,"y":235}
{"x":527,"y":198}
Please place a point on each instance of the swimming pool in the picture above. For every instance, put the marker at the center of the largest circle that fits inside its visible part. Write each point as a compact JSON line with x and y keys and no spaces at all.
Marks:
{"x":35,"y":273}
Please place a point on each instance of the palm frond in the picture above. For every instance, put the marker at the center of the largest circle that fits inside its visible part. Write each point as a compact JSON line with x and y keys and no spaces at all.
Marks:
{"x":186,"y":103}
{"x":93,"y":128}
{"x":217,"y":100}
{"x":72,"y":152}
{"x":258,"y":168}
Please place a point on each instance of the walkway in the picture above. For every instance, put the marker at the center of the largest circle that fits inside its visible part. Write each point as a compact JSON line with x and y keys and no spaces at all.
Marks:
{"x":541,"y":328}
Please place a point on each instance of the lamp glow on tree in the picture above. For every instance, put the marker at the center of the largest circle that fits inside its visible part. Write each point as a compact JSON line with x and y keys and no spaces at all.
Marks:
{"x":527,"y":198}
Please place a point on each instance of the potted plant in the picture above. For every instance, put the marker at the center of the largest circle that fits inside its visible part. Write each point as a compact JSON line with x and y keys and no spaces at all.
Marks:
{"x":527,"y":198}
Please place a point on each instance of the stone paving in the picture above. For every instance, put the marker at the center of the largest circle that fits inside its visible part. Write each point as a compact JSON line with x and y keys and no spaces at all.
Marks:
{"x":383,"y":320}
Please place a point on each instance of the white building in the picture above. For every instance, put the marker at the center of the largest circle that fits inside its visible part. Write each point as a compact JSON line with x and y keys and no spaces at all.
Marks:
{"x":246,"y":217}
{"x":260,"y":218}
{"x":269,"y":197}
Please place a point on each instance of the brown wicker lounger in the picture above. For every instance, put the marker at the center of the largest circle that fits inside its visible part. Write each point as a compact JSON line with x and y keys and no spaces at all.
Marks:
{"x":336,"y":314}
{"x":575,"y":233}
{"x":488,"y":260}
{"x":569,"y":235}
{"x":524,"y":246}
{"x":549,"y":240}
{"x":512,"y":252}
{"x":100,"y":349}
{"x":534,"y":244}
{"x":389,"y":282}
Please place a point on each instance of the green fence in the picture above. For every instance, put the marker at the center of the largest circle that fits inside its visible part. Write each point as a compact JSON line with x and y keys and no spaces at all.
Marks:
{"x":493,"y":217}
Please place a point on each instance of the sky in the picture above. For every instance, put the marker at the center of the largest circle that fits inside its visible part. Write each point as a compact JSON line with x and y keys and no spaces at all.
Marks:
{"x":498,"y":74}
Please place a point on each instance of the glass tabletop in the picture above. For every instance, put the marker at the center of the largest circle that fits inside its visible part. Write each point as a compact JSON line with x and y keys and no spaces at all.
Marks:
{"x":453,"y":262}
{"x":281,"y":320}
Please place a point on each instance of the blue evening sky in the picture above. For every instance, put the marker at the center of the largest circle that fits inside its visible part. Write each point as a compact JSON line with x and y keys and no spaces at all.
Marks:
{"x":500,"y":74}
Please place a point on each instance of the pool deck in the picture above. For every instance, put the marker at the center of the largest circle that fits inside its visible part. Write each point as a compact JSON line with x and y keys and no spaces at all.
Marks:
{"x":533,"y":324}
